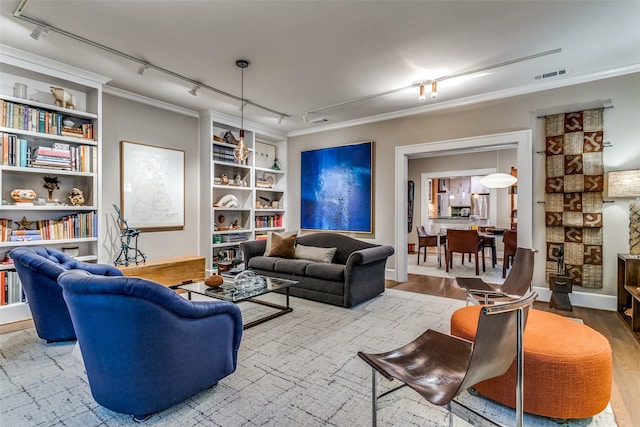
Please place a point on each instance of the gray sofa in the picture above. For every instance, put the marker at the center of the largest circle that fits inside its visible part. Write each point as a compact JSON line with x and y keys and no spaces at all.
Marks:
{"x":355,"y":275}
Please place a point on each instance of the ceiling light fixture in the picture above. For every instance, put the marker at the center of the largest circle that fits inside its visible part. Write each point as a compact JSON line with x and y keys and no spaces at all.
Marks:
{"x":422,"y":97}
{"x":498,"y":180}
{"x":241,"y":152}
{"x":434,"y":90}
{"x":37,"y":32}
{"x":142,"y":69}
{"x":194,"y":90}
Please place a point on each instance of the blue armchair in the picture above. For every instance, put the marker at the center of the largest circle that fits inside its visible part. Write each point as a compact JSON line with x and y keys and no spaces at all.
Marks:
{"x":38,"y":269}
{"x":145,"y":347}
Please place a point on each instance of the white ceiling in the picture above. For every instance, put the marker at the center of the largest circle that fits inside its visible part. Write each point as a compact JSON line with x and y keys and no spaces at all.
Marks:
{"x":307,"y":55}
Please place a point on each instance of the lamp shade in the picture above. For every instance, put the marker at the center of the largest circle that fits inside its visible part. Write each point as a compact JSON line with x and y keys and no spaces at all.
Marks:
{"x":624,"y":183}
{"x":498,"y":180}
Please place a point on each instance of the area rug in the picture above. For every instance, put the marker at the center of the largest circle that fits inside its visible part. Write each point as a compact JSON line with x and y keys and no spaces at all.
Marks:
{"x":300,"y":369}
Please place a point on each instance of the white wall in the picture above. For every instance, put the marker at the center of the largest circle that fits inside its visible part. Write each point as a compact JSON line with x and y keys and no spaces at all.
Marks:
{"x":622,"y":128}
{"x":124,"y":119}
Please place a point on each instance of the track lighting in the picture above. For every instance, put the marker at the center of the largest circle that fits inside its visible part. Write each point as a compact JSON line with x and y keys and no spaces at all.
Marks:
{"x":421,"y":98}
{"x":142,"y":69}
{"x":305,"y":117}
{"x":434,"y":90}
{"x":280,"y":120}
{"x":37,"y":32}
{"x":194,"y":89}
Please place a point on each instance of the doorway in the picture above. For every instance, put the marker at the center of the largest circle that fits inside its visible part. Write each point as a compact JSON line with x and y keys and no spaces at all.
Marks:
{"x":521,"y":140}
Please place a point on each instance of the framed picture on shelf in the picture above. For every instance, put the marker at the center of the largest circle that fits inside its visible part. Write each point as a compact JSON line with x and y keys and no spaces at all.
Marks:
{"x":152,"y":186}
{"x":337,"y":188}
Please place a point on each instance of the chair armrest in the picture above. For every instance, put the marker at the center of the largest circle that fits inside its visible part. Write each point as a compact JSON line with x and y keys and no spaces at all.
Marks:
{"x":369,"y":255}
{"x":97,"y":269}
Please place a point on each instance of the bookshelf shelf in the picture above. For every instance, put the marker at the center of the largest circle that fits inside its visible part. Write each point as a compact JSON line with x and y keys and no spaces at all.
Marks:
{"x":40,"y":139}
{"x":248,"y":191}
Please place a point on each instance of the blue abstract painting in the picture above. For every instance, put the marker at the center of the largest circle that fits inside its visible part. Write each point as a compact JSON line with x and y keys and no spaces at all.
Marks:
{"x":336,"y":188}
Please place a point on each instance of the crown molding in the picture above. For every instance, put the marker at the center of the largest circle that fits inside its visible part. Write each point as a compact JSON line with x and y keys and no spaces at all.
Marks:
{"x":477,"y":99}
{"x":131,"y":96}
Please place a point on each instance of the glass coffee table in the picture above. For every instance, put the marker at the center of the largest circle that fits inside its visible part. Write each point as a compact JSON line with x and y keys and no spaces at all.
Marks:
{"x":228,"y":292}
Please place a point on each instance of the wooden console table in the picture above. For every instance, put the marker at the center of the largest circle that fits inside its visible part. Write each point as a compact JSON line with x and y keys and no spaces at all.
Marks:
{"x":171,"y":272}
{"x":628,"y":293}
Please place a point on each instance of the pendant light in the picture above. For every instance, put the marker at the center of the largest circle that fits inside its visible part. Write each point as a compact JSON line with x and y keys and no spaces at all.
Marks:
{"x":498,"y":180}
{"x":241,"y":152}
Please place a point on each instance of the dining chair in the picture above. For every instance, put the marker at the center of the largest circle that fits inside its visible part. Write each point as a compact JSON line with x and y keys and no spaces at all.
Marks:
{"x":426,"y":240}
{"x":510,"y":240}
{"x":518,"y":282}
{"x":464,"y":242}
{"x":440,"y":366}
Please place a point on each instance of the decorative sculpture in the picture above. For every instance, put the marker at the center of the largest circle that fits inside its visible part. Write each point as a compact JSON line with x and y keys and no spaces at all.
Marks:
{"x":63,"y":98}
{"x":76,"y":198}
{"x":127,"y":252}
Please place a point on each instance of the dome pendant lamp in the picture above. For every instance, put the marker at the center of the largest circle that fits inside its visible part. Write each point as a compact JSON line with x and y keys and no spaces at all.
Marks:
{"x":241,"y":152}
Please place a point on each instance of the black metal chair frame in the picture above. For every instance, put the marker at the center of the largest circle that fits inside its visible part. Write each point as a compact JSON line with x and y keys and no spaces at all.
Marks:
{"x":474,"y":365}
{"x":126,"y":234}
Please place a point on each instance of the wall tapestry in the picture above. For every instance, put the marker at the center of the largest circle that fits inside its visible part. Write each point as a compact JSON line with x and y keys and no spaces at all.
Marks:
{"x":573,"y":200}
{"x":337,"y":188}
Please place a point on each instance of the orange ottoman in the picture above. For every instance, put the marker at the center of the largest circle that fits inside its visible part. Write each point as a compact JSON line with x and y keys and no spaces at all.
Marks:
{"x":567,"y":366}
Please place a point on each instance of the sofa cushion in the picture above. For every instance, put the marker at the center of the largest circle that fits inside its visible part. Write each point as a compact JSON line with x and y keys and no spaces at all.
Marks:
{"x":333,"y":272}
{"x":281,"y":234}
{"x":263,"y":263}
{"x":313,"y":253}
{"x":291,"y":266}
{"x":283,"y":247}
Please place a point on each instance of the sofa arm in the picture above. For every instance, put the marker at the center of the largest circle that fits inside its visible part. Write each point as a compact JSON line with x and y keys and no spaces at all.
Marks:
{"x":369,"y":255}
{"x":252,"y":249}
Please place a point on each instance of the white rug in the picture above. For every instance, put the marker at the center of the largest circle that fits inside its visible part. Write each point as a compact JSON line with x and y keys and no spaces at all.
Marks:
{"x":300,"y":369}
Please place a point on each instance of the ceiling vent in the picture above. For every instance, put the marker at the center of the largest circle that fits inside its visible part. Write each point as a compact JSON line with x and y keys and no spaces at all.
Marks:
{"x":551,"y":74}
{"x":319,"y":120}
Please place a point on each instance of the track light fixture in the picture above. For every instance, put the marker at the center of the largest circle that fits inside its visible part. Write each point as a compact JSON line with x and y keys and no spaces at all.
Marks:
{"x":194,"y":89}
{"x":37,"y":32}
{"x":422,"y":97}
{"x":142,"y":69}
{"x":434,"y":90}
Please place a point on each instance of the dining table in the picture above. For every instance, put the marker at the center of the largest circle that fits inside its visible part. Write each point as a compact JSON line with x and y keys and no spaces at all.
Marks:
{"x":497,"y":233}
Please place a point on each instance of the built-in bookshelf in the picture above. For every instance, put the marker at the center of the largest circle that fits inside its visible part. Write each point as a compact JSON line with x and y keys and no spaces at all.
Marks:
{"x":49,"y":164}
{"x":246,"y":199}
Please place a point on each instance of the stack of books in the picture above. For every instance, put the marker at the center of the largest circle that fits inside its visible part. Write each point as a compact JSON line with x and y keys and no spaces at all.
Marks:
{"x":25,"y":235}
{"x":56,"y":157}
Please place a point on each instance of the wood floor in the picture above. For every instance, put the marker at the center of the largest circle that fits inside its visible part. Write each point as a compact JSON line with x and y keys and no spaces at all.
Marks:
{"x":624,"y":346}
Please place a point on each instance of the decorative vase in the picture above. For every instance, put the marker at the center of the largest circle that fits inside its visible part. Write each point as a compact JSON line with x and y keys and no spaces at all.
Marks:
{"x":23,"y":195}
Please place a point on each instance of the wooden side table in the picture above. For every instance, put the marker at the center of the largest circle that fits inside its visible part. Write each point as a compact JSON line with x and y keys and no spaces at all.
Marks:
{"x":628,"y":291}
{"x":561,"y":287}
{"x":171,"y":272}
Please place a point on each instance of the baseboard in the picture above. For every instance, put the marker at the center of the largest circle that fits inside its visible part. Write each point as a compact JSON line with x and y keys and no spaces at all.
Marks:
{"x":582,"y":299}
{"x":390,"y":274}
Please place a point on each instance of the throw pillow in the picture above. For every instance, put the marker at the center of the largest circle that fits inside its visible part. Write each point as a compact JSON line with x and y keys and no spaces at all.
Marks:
{"x":283,"y":247}
{"x":283,"y":234}
{"x":313,"y":253}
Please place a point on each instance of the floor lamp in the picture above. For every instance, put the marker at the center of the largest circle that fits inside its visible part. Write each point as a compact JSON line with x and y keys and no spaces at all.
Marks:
{"x":627,"y":184}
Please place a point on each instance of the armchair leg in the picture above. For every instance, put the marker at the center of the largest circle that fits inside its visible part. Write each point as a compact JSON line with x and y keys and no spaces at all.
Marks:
{"x":374,"y":399}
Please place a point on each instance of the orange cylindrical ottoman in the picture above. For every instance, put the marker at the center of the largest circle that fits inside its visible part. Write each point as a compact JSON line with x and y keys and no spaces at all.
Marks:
{"x":567,"y":366}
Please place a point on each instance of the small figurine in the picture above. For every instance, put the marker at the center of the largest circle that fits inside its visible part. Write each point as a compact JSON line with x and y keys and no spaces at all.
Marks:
{"x":561,"y":260}
{"x":224,"y":179}
{"x":63,"y":98}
